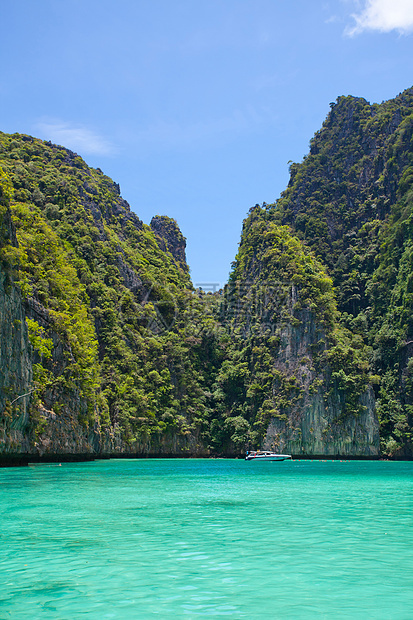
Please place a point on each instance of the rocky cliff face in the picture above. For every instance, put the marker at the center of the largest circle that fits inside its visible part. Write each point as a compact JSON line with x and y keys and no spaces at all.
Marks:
{"x":60,"y":416}
{"x":315,"y":421}
{"x":15,"y":369}
{"x":15,"y":351}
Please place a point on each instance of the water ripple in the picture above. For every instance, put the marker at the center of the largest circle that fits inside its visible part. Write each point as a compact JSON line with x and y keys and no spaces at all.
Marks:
{"x":207,"y":539}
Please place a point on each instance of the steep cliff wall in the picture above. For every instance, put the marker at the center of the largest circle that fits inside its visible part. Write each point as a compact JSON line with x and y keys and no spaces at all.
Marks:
{"x":107,"y":311}
{"x":350,"y":176}
{"x":351,"y":201}
{"x":316,"y":421}
{"x":295,"y":375}
{"x":15,"y":369}
{"x":15,"y":361}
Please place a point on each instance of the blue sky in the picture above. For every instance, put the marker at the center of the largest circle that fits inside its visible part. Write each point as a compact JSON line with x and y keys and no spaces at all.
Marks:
{"x":196,"y":106}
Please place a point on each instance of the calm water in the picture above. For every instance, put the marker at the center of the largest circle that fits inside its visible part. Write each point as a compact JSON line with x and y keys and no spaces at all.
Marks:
{"x":130,"y":539}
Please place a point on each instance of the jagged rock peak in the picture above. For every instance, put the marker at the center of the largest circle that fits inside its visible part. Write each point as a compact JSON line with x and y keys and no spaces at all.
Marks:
{"x":170,"y":238}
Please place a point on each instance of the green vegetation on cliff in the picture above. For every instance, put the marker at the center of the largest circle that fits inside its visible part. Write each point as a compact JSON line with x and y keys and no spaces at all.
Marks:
{"x":107,"y":306}
{"x":350,"y":200}
{"x":318,"y":307}
{"x":286,"y":343}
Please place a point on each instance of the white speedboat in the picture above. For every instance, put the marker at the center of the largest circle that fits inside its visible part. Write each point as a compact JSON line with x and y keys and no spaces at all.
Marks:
{"x":262,"y":455}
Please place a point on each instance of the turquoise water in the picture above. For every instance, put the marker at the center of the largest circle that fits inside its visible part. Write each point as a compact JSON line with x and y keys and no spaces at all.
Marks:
{"x":128,"y":539}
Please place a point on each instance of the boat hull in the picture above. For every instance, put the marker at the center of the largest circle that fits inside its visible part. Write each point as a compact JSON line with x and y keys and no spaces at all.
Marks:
{"x":267,"y":457}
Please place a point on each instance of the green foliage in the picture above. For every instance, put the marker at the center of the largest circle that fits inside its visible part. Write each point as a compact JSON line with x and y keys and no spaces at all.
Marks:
{"x":46,"y":272}
{"x":348,"y":359}
{"x":42,"y":345}
{"x":277,"y":291}
{"x":271,"y":253}
{"x":116,"y":326}
{"x":6,"y":190}
{"x":351,"y":201}
{"x":7,"y":256}
{"x":119,"y":327}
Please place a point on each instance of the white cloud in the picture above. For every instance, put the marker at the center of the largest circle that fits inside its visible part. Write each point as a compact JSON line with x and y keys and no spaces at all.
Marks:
{"x":384,"y":16}
{"x":75,"y":137}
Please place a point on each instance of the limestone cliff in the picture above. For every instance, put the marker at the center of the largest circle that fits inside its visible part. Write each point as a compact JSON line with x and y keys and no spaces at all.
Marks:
{"x":96,"y":300}
{"x":315,"y":420}
{"x":15,"y":369}
{"x":351,"y":201}
{"x":296,"y":375}
{"x":15,"y":359}
{"x":106,"y":348}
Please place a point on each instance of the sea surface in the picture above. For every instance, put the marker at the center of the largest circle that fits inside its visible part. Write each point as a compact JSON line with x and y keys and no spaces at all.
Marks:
{"x":198,"y":538}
